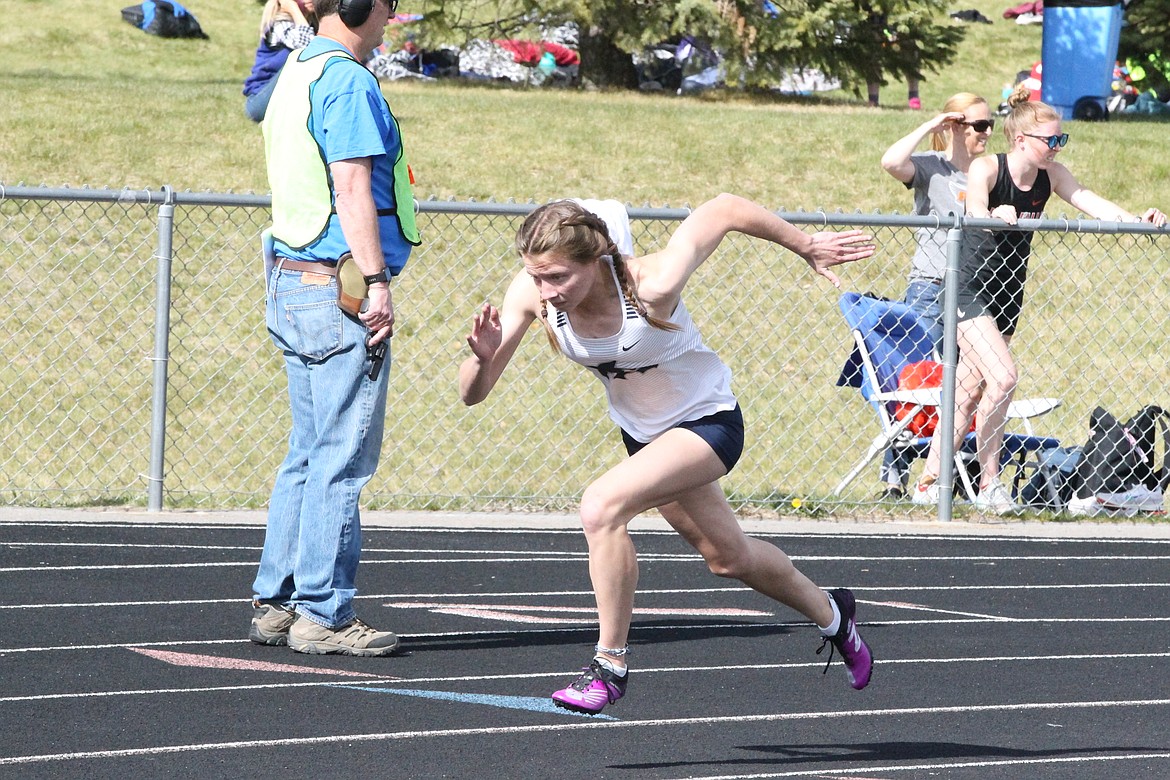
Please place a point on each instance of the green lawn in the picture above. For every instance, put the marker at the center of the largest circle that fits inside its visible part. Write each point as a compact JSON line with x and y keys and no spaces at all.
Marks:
{"x":90,"y":100}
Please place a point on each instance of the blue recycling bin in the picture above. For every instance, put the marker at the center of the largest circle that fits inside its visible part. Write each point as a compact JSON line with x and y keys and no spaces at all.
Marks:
{"x":1079,"y":51}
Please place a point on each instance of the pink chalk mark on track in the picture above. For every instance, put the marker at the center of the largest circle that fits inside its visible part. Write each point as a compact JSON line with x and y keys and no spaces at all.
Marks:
{"x":240,"y":664}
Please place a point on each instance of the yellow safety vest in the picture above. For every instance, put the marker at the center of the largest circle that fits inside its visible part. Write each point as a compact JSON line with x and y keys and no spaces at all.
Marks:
{"x":297,"y":170}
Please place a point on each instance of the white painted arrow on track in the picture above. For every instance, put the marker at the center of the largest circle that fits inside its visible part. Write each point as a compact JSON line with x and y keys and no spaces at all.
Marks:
{"x":525,"y":614}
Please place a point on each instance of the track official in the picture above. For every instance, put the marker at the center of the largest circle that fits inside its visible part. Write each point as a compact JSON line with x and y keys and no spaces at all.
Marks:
{"x":341,"y":193}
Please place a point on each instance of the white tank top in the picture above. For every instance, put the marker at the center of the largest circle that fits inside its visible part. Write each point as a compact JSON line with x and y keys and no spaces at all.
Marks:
{"x":654,"y":379}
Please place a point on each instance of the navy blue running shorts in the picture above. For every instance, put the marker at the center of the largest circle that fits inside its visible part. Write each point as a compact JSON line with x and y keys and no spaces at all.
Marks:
{"x":722,"y":430}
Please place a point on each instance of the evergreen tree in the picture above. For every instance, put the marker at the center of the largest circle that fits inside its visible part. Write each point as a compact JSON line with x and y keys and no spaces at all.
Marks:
{"x":854,"y":41}
{"x":1145,"y":41}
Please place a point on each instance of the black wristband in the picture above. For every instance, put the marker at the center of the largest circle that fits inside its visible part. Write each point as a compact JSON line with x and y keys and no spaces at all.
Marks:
{"x":378,"y":277}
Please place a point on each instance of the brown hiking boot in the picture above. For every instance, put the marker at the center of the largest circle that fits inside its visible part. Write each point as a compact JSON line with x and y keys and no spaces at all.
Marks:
{"x":270,"y":624}
{"x":354,"y":638}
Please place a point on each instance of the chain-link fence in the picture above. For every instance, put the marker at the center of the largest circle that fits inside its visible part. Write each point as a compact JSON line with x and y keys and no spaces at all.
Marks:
{"x":136,"y":367}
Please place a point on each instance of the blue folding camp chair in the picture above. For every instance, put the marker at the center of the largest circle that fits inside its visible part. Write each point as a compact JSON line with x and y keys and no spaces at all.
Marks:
{"x":888,"y":336}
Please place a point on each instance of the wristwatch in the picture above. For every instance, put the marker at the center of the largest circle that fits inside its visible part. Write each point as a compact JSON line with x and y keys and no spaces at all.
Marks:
{"x":378,"y":277}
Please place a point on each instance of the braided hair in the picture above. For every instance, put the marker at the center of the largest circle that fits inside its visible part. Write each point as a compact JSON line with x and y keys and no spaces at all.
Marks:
{"x":580,"y":236}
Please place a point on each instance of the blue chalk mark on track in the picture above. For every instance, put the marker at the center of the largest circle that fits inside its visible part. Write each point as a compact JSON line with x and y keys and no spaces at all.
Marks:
{"x":530,"y":703}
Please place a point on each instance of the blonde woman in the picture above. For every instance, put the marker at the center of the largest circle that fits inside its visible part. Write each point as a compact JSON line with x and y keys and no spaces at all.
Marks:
{"x":285,"y":25}
{"x":1011,"y":186}
{"x":623,"y":319}
{"x":958,"y":135}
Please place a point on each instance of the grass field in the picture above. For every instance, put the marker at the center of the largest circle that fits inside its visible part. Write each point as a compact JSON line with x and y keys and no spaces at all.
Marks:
{"x":90,"y":100}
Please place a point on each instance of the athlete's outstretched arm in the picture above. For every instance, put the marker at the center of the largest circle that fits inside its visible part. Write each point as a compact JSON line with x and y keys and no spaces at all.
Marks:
{"x":665,"y":273}
{"x":1081,"y":197}
{"x":495,"y":335}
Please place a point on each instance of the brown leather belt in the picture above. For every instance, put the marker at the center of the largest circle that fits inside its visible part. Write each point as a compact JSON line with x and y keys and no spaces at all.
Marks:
{"x":328,"y":267}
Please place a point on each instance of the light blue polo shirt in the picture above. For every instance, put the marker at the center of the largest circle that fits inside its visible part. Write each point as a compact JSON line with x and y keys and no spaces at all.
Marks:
{"x":350,"y":119}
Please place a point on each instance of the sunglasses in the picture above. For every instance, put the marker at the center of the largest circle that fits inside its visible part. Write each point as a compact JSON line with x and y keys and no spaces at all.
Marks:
{"x":1053,"y":141}
{"x":980,"y":125}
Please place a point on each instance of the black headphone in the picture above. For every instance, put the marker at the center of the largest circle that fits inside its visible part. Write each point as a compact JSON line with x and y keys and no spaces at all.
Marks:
{"x":355,"y":12}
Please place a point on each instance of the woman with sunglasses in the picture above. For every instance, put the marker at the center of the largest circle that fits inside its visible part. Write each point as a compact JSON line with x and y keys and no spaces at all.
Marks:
{"x":958,"y":136}
{"x":992,"y":272}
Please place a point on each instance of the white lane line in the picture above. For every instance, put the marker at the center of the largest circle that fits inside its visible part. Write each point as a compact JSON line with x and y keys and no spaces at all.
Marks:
{"x":252,"y":564}
{"x":415,"y":681}
{"x":881,"y":769}
{"x":119,"y":545}
{"x":563,"y":615}
{"x":490,"y":527}
{"x":206,"y":689}
{"x":479,"y":613}
{"x":935,"y":610}
{"x":120,"y":604}
{"x":561,"y":557}
{"x":592,"y":610}
{"x":126,"y":566}
{"x":977,"y":558}
{"x":569,"y":614}
{"x":578,"y":726}
{"x":635,"y":629}
{"x":365,"y":550}
{"x":526,"y":553}
{"x":589,"y":593}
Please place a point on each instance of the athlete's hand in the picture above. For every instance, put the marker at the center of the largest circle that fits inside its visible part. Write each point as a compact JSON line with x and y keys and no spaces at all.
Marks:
{"x":948,"y":120}
{"x":485,"y":335}
{"x":1154,"y":217}
{"x":831,"y":248}
{"x":1005,"y":212}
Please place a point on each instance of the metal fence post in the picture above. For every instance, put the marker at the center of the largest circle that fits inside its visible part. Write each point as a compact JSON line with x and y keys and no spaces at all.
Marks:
{"x":950,"y":359}
{"x":162,"y":326}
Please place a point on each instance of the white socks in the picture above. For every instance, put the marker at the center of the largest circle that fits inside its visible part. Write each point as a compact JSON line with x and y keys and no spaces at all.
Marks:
{"x":610,"y":666}
{"x":834,"y":626}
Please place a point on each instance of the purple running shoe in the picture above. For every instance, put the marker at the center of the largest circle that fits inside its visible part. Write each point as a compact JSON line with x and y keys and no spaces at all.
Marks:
{"x":853,"y":649}
{"x":595,"y":688}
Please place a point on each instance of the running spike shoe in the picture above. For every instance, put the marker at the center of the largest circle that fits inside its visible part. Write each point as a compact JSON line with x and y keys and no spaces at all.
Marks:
{"x":853,"y":649}
{"x":589,"y":693}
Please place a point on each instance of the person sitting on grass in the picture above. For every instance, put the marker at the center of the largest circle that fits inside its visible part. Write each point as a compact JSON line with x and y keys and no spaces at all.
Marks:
{"x":285,"y":25}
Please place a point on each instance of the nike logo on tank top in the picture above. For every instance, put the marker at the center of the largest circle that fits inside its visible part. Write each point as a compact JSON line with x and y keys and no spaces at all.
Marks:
{"x":653,"y":378}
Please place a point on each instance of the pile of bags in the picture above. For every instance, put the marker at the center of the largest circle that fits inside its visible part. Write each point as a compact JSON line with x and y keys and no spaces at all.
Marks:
{"x":1114,"y":474}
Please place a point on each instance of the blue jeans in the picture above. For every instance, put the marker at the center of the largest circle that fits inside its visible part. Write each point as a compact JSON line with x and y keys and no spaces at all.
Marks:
{"x":926,"y":299}
{"x":313,"y":540}
{"x":256,"y":104}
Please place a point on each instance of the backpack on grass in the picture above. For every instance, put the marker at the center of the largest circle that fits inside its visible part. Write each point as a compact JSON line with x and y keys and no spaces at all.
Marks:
{"x":1058,"y":468}
{"x":164,"y":18}
{"x":1118,"y":472}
